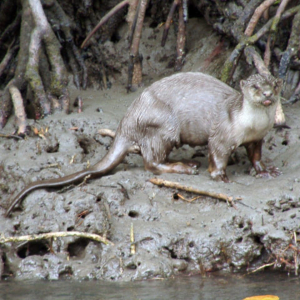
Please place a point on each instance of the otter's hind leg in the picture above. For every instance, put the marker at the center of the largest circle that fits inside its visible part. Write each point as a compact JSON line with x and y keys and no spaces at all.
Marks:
{"x":155,"y":151}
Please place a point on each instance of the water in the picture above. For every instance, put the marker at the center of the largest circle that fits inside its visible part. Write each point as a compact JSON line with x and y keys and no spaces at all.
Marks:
{"x":214,"y":287}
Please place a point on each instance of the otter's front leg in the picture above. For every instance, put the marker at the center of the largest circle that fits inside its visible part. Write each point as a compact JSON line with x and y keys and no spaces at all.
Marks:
{"x":254,"y":150}
{"x":217,"y":163}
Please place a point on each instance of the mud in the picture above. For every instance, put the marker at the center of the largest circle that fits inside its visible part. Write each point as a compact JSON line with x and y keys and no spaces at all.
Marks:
{"x":172,"y":236}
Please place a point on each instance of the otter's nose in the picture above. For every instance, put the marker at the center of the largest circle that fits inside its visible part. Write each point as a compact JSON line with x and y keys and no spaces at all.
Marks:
{"x":267,"y":94}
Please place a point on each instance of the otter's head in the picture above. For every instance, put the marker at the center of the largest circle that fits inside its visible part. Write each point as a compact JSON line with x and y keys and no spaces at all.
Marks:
{"x":261,"y":90}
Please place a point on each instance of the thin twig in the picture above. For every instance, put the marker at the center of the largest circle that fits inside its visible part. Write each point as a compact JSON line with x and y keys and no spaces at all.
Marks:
{"x":42,"y":236}
{"x":132,"y":240}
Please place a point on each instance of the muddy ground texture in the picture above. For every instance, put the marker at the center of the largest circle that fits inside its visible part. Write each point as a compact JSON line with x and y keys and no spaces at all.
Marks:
{"x":172,"y":236}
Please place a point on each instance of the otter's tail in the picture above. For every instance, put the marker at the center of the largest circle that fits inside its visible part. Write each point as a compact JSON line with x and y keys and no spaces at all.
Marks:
{"x":114,"y":157}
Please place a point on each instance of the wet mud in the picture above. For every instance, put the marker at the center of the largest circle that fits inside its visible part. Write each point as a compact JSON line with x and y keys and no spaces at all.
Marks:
{"x":172,"y":236}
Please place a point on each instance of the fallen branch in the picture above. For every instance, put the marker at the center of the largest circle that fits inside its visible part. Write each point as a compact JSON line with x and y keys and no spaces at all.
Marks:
{"x":176,"y":185}
{"x":50,"y":235}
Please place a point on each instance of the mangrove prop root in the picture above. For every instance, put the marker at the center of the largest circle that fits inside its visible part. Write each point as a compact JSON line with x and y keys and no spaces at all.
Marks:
{"x":18,"y":80}
{"x":98,"y":56}
{"x":65,"y":26}
{"x":292,"y":48}
{"x":19,"y":109}
{"x":176,"y":185}
{"x":135,"y":63}
{"x":253,"y":56}
{"x":42,"y":105}
{"x":50,"y":235}
{"x":43,"y":32}
{"x":181,"y":37}
{"x":244,"y":41}
{"x":256,"y":16}
{"x":9,"y":55}
{"x":104,"y":20}
{"x":296,"y":95}
{"x":168,"y":22}
{"x":273,"y":31}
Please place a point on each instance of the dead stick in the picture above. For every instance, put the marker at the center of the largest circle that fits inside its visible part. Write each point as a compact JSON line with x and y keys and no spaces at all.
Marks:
{"x":176,"y":185}
{"x":49,"y":235}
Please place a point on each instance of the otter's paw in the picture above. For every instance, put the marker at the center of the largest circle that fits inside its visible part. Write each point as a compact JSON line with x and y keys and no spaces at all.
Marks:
{"x":269,"y":172}
{"x":220,"y":176}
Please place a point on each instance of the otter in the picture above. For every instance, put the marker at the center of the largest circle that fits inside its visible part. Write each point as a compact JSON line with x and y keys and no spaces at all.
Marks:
{"x":189,"y":108}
